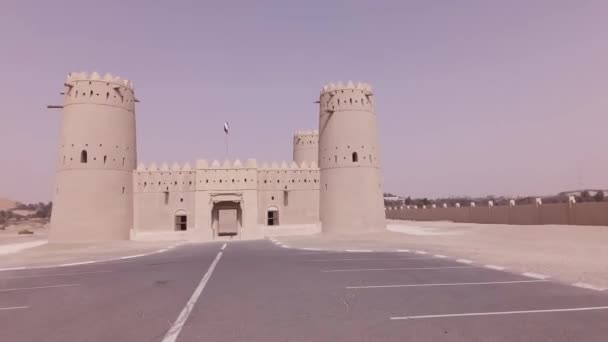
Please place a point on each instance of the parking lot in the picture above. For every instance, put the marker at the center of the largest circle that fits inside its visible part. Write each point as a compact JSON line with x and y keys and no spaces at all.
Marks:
{"x":259,"y":291}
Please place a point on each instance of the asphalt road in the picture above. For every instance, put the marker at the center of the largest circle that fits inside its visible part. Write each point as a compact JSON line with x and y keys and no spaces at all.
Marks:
{"x":256,"y":291}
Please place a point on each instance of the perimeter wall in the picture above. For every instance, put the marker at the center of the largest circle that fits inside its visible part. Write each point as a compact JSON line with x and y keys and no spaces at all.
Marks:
{"x":589,"y":213}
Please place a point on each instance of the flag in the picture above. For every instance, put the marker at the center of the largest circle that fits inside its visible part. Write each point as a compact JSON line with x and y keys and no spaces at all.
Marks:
{"x":226,"y":127}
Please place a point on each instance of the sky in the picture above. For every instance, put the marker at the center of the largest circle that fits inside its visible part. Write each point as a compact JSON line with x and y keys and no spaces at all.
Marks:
{"x":473,"y":97}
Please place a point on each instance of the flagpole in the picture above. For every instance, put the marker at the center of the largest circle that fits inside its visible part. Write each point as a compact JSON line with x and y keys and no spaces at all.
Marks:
{"x":226,"y":144}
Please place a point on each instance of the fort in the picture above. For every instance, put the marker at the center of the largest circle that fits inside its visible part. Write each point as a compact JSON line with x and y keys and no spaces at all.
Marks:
{"x":333,"y":183}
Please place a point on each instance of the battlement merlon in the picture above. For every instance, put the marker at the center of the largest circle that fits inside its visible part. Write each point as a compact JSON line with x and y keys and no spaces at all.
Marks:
{"x":306,"y":133}
{"x":94,"y":76}
{"x":328,"y":88}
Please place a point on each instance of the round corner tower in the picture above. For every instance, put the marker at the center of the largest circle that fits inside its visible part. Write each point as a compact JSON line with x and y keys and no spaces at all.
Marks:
{"x":351,"y":199}
{"x":306,"y":147}
{"x":93,"y":198}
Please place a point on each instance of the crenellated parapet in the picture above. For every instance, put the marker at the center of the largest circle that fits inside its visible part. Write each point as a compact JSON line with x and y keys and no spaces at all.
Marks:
{"x":164,"y":178}
{"x":288,"y":176}
{"x":109,"y":90}
{"x":346,"y":97}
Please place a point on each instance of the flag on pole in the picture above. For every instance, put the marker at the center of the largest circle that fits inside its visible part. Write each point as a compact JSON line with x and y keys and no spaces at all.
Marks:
{"x":226,"y":127}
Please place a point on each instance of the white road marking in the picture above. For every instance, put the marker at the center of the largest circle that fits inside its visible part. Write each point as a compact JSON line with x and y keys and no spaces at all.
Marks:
{"x":162,"y":250}
{"x":589,"y":286}
{"x":224,"y":246}
{"x":396,"y":269}
{"x":403,"y":250}
{"x":366,"y":259}
{"x":132,"y":256}
{"x":446,"y":284}
{"x":13,"y":269}
{"x":15,"y":308}
{"x":502,"y":313}
{"x":177,"y":326}
{"x":440,"y":256}
{"x":284,"y":246}
{"x":495,"y":267}
{"x":37,"y":287}
{"x":54,"y":275}
{"x":535,"y":275}
{"x":421,"y":252}
{"x":465,"y":261}
{"x":359,"y":250}
{"x":311,"y":249}
{"x":78,"y":263}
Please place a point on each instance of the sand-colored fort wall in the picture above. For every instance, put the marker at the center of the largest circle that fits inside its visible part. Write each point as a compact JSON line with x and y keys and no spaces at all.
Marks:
{"x":306,"y":147}
{"x":293,"y":190}
{"x":93,"y":199}
{"x":350,"y":177}
{"x":591,"y":213}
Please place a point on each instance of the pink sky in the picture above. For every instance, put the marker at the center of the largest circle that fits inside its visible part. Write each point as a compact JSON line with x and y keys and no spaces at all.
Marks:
{"x":473,"y":97}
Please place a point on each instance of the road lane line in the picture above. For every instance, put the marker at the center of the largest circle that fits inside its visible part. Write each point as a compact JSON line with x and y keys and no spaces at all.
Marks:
{"x":535,"y":275}
{"x":367,"y":259}
{"x":403,"y":250}
{"x":502,"y":313}
{"x":589,"y":286}
{"x":311,"y":249}
{"x":465,"y":261}
{"x":495,"y":267}
{"x":54,"y":275}
{"x":37,"y":287}
{"x":446,"y":284}
{"x":440,"y":256}
{"x":398,"y":269}
{"x":224,"y":246}
{"x":359,"y":250}
{"x":421,"y":252}
{"x":15,"y":308}
{"x":177,"y":326}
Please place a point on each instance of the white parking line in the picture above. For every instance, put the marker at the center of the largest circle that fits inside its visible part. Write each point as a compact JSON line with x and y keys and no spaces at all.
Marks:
{"x":495,"y":267}
{"x":177,"y":326}
{"x":589,"y":286}
{"x":77,"y":263}
{"x":13,"y":269}
{"x":440,"y":256}
{"x":359,"y":250}
{"x":535,"y":275}
{"x":465,"y":261}
{"x":421,"y":252}
{"x":502,"y":313}
{"x":224,"y":246}
{"x":15,"y":308}
{"x":131,"y":256}
{"x":37,"y":287}
{"x":367,"y":259}
{"x":54,"y":275}
{"x":445,"y":284}
{"x":284,"y":246}
{"x":397,"y":269}
{"x":403,"y":250}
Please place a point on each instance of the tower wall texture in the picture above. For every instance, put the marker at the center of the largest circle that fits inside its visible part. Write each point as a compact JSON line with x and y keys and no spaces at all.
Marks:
{"x":351,"y":199}
{"x":96,"y":156}
{"x":306,"y":147}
